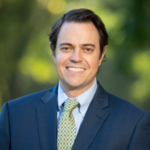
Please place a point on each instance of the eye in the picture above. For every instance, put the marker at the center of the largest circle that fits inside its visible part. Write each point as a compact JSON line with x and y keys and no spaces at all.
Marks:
{"x":88,"y":49}
{"x":65,"y":48}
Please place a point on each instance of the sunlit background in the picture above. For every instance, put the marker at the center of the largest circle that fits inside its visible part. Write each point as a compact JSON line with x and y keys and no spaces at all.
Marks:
{"x":26,"y":63}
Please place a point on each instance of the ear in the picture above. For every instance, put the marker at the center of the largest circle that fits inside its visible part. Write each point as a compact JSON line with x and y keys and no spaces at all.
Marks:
{"x":103,"y":54}
{"x":53,"y":53}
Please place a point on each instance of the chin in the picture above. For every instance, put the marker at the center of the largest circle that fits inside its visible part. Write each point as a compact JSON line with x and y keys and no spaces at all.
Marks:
{"x":74,"y":85}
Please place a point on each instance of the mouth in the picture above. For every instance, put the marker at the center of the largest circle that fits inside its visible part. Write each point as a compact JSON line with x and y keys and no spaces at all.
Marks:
{"x":75,"y":69}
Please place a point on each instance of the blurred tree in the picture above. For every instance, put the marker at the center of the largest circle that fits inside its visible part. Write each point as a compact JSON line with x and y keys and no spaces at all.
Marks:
{"x":130,"y":42}
{"x":20,"y":23}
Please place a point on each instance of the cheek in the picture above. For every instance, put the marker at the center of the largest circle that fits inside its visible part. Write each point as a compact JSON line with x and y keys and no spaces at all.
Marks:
{"x":60,"y":60}
{"x":93,"y":62}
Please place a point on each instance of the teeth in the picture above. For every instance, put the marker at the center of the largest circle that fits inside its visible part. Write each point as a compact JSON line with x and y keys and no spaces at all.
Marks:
{"x":75,"y":69}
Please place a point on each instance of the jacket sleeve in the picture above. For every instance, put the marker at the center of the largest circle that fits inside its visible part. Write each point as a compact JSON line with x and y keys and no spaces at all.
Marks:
{"x":140,"y":139}
{"x":4,"y":128}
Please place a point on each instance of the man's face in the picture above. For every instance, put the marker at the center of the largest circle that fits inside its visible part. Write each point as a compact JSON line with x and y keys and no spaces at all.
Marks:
{"x":77,"y":55}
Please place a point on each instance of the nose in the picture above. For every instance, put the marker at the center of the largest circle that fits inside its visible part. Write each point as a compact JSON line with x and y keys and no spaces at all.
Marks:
{"x":76,"y":56}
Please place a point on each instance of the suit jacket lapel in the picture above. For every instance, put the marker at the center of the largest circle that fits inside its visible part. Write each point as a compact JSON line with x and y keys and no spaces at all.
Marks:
{"x":93,"y":120}
{"x":47,"y":120}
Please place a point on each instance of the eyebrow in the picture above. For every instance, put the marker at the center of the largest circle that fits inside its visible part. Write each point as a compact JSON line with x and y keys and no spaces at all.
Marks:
{"x":72,"y":45}
{"x":88,"y":45}
{"x":65,"y":44}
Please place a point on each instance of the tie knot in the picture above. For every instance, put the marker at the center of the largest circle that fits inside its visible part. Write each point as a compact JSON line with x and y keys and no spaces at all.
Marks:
{"x":70,"y":104}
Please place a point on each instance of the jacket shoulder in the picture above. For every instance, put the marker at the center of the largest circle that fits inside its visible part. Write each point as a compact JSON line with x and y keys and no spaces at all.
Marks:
{"x":29,"y":100}
{"x":124,"y":106}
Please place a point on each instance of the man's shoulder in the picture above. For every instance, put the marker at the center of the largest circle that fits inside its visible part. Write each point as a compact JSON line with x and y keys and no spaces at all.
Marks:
{"x":119,"y":105}
{"x":125,"y":107}
{"x":30,"y":99}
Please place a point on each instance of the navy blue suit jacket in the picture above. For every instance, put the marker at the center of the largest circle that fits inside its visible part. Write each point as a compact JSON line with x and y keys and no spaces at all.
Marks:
{"x":111,"y":123}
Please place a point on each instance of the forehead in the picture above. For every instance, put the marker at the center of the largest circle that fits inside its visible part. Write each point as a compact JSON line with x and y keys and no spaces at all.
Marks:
{"x":75,"y":32}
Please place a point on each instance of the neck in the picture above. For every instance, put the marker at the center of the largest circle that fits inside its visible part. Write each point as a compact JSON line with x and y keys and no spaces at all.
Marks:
{"x":73,"y":92}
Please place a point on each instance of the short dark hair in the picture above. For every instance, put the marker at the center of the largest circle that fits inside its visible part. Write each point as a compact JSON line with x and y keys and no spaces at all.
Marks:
{"x":80,"y":15}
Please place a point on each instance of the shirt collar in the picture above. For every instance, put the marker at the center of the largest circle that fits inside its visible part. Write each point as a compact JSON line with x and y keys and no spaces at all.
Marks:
{"x":84,"y":99}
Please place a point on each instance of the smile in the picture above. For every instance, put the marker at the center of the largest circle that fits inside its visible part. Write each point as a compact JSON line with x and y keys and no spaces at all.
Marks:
{"x":75,"y":69}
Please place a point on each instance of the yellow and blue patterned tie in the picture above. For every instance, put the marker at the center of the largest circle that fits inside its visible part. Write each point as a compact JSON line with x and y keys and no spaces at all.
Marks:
{"x":66,"y":127}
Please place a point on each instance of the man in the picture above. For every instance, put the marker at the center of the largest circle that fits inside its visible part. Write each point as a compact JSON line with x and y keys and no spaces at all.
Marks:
{"x":77,"y":113}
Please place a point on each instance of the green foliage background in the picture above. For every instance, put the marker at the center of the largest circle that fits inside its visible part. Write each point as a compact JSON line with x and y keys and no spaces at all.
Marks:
{"x":26,"y":63}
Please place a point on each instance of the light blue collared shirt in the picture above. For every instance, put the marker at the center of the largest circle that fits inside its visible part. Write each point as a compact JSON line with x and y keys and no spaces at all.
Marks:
{"x":84,"y":101}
